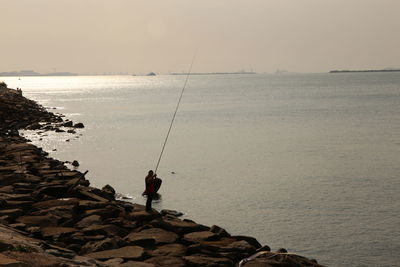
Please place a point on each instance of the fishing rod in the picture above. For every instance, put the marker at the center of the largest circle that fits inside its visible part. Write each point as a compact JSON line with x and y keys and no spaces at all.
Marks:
{"x":176,"y":110}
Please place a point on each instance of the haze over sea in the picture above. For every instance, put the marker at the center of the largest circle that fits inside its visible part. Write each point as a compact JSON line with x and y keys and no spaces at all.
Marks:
{"x":308,"y":162}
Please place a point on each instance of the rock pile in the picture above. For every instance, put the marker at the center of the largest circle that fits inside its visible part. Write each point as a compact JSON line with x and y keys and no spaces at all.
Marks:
{"x":18,"y":112}
{"x":60,"y":217}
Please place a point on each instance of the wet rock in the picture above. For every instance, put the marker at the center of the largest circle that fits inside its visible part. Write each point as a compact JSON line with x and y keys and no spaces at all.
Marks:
{"x":79,"y":125}
{"x":264,"y":248}
{"x":71,"y":131}
{"x":171,"y":213}
{"x":268,"y":259}
{"x":217,"y":245}
{"x":239,"y":246}
{"x":219,"y":231}
{"x":58,"y":130}
{"x":67,"y":124}
{"x":251,"y":240}
{"x":108,"y":189}
{"x":282,"y":250}
{"x":127,"y":253}
{"x":75,"y":163}
{"x":34,"y":126}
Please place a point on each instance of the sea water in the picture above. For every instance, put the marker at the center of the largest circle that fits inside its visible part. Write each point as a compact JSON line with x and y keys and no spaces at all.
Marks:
{"x":308,"y":162}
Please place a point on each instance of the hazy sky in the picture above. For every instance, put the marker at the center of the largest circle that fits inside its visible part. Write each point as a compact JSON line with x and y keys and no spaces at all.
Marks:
{"x":96,"y":36}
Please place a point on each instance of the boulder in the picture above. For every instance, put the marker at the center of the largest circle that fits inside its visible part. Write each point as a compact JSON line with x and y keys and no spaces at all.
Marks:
{"x":114,"y":262}
{"x":75,"y":163}
{"x":11,"y":213}
{"x":171,"y":213}
{"x":160,"y":236}
{"x":109,"y":190}
{"x":169,"y":250}
{"x":217,"y":245}
{"x":219,"y":231}
{"x":79,"y":125}
{"x":107,"y":230}
{"x":282,"y":250}
{"x":239,"y":246}
{"x":199,"y":260}
{"x":167,"y":261}
{"x":91,"y":193}
{"x":10,"y":262}
{"x":81,"y":239}
{"x":143,"y":215}
{"x":88,"y":221}
{"x":108,"y":212}
{"x":34,"y":126}
{"x":127,"y":253}
{"x":197,"y":237}
{"x":136,"y":264}
{"x":67,"y":124}
{"x":64,"y":213}
{"x":106,"y":244}
{"x":55,"y":232}
{"x":178,"y":226}
{"x":251,"y":240}
{"x":52,"y":190}
{"x":268,"y":259}
{"x":264,"y":248}
{"x":45,"y":220}
{"x":55,"y":203}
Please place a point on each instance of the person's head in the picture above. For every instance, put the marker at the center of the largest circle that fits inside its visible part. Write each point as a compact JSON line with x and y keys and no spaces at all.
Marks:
{"x":151,"y":172}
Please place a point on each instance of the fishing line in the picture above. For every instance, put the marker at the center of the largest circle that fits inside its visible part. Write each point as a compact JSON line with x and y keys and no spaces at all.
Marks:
{"x":176,"y":110}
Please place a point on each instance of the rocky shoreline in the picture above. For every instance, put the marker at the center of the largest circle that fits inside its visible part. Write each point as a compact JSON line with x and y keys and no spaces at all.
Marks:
{"x":51,"y":216}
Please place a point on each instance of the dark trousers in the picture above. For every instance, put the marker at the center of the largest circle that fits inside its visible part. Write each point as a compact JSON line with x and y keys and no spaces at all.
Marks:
{"x":148,"y":202}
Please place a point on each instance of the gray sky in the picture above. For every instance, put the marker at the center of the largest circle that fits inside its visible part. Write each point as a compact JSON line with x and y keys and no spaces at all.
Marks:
{"x":96,"y":36}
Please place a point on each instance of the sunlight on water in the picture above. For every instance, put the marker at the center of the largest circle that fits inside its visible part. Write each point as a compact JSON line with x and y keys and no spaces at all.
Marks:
{"x":305,"y":162}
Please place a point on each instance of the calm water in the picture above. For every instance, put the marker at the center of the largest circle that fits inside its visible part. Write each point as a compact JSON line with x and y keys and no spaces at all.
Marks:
{"x":308,"y":162}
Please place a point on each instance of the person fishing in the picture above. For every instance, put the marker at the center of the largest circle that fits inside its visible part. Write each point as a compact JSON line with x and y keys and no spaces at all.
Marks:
{"x":150,"y":190}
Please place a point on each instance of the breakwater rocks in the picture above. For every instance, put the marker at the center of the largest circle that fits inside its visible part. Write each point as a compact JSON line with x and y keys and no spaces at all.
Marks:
{"x":51,"y":216}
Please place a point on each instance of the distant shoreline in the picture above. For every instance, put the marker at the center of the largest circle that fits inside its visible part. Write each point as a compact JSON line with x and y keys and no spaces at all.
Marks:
{"x":347,"y":71}
{"x":214,"y":73}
